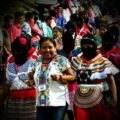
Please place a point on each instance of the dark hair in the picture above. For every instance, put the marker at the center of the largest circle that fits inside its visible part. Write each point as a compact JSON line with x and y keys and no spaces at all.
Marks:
{"x":29,"y":15}
{"x":18,"y":46}
{"x":36,"y":15}
{"x":88,"y":39}
{"x":58,"y":28}
{"x":71,"y":25}
{"x":7,"y":19}
{"x":53,"y":13}
{"x":109,"y":37}
{"x":43,"y":39}
{"x":48,"y":18}
{"x":114,"y":29}
{"x":108,"y":40}
{"x":68,"y":42}
{"x":18,"y":14}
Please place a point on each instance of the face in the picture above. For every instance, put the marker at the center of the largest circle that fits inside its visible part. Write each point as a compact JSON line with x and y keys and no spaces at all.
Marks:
{"x":56,"y":33}
{"x":107,"y":45}
{"x":20,"y":19}
{"x":89,"y":51}
{"x":32,"y":20}
{"x":59,"y":10}
{"x":102,"y":30}
{"x":11,"y":22}
{"x":48,"y":50}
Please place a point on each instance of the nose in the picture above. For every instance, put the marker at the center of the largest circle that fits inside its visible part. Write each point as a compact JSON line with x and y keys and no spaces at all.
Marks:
{"x":47,"y":49}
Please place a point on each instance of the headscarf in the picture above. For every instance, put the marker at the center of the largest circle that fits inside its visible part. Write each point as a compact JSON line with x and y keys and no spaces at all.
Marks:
{"x":20,"y":48}
{"x":88,"y":51}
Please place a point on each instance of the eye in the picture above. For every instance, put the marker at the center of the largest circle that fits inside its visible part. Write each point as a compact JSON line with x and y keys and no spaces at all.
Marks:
{"x":50,"y":47}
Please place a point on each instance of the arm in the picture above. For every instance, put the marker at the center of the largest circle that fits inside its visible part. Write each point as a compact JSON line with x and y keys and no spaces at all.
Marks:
{"x":6,"y":50}
{"x":113,"y":90}
{"x":30,"y":82}
{"x":68,"y":76}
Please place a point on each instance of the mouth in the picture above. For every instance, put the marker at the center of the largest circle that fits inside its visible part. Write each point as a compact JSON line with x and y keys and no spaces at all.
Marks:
{"x":47,"y":54}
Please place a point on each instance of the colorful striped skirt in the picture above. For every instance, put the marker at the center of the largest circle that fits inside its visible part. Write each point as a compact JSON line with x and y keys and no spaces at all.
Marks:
{"x":21,"y":108}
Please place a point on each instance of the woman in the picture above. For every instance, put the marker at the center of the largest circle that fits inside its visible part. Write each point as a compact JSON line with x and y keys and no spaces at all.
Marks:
{"x":68,"y":51}
{"x":109,"y":49}
{"x":19,"y":85}
{"x":96,"y":96}
{"x":57,"y":35}
{"x":52,"y":71}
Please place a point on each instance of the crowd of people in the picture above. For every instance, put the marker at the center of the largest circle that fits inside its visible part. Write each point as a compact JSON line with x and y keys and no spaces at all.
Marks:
{"x":62,"y":61}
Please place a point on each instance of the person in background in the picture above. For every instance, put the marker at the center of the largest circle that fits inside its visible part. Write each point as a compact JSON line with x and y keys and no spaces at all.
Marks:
{"x":37,"y":19}
{"x":8,"y":21}
{"x":47,"y":31}
{"x":60,"y":20}
{"x":68,"y":51}
{"x":26,"y":24}
{"x":1,"y":54}
{"x":6,"y":47}
{"x":108,"y":48}
{"x":57,"y":35}
{"x":52,"y":12}
{"x":94,"y":75}
{"x":15,"y":28}
{"x":52,"y":71}
{"x":99,"y":33}
{"x":19,"y":88}
{"x":36,"y":32}
{"x":112,"y":52}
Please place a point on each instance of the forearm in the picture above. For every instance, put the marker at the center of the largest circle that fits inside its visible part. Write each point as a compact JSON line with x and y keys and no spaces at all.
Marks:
{"x":113,"y":88}
{"x":62,"y":78}
{"x":67,"y":77}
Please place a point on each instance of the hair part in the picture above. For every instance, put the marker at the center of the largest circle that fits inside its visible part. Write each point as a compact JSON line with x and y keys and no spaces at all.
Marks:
{"x":44,"y":39}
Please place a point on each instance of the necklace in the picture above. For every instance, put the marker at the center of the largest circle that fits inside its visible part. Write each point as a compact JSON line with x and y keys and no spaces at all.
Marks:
{"x":44,"y":70}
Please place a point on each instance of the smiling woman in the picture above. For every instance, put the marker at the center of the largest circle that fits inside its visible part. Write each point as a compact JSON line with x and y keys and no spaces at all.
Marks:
{"x":52,"y":71}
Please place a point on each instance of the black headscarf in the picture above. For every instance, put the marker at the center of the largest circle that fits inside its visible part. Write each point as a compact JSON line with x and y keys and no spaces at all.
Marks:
{"x":20,"y":47}
{"x":88,"y":51}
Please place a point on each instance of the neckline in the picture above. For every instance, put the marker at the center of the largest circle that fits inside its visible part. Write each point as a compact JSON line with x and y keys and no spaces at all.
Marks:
{"x":46,"y":63}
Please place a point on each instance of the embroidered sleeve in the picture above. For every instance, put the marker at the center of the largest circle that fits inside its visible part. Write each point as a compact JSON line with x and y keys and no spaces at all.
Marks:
{"x":32,"y":65}
{"x":9,"y":77}
{"x":64,"y":64}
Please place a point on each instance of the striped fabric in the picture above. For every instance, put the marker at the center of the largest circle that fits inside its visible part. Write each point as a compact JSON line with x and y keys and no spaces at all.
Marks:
{"x":100,"y":68}
{"x":21,"y":109}
{"x":22,"y":104}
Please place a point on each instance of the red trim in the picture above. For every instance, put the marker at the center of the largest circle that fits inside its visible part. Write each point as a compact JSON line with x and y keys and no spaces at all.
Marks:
{"x":26,"y":93}
{"x":11,"y":59}
{"x":98,"y":81}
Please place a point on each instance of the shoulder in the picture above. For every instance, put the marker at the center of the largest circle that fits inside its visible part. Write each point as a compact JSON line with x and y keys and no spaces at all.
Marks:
{"x":76,"y":61}
{"x":10,"y":59}
{"x":33,"y":53}
{"x":60,"y":58}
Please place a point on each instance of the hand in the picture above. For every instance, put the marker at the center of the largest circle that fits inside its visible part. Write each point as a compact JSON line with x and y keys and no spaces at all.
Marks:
{"x":55,"y":77}
{"x":30,"y":83}
{"x":112,"y":104}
